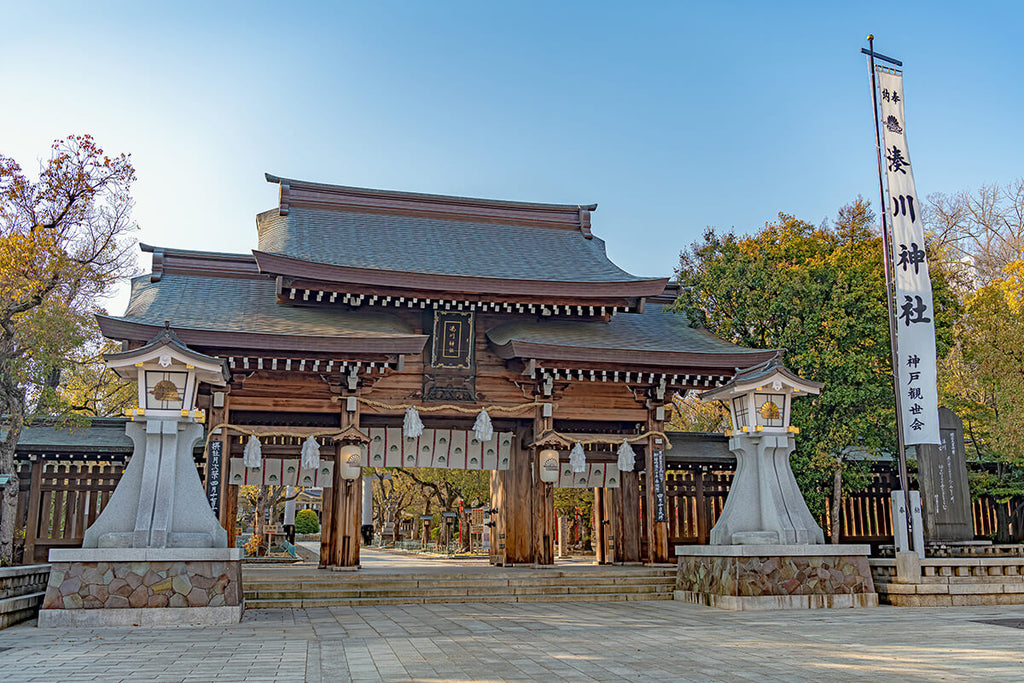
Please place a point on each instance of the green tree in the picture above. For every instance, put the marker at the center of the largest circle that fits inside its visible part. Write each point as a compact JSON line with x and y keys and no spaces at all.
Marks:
{"x":819,"y":294}
{"x":306,"y":522}
{"x":64,"y":241}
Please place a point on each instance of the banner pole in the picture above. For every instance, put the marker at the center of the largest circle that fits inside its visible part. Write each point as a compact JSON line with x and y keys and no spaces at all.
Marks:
{"x":888,"y":265}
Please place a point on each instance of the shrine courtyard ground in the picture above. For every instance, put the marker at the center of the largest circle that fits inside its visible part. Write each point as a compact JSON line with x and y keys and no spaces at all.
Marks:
{"x":647,"y":641}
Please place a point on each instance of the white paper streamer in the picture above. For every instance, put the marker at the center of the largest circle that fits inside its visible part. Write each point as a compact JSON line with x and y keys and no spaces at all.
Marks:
{"x":310,"y":454}
{"x":413,"y":425}
{"x":483,"y":429}
{"x":626,"y":457}
{"x":577,"y":458}
{"x":253,"y":454}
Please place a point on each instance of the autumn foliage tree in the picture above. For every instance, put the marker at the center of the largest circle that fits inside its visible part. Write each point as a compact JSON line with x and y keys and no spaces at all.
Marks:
{"x":65,"y":239}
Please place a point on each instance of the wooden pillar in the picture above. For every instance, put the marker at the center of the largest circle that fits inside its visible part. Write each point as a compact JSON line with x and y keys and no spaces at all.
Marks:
{"x":543,"y":499}
{"x":346,"y":497}
{"x":228,"y":492}
{"x":497,"y":553}
{"x":657,"y":532}
{"x":35,"y":494}
{"x":600,"y":528}
{"x":327,"y":525}
{"x":517,"y":503}
{"x":629,"y":542}
{"x":613,"y":514}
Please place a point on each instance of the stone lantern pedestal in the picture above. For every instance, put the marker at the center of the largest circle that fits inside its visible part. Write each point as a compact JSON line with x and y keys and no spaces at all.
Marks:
{"x":156,"y":555}
{"x":766,"y":550}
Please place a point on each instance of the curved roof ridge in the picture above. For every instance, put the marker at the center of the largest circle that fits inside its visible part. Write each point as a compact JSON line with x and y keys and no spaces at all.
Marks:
{"x":427,"y":196}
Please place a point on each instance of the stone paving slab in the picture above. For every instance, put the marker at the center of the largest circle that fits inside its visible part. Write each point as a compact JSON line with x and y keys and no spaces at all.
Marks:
{"x":637,"y":641}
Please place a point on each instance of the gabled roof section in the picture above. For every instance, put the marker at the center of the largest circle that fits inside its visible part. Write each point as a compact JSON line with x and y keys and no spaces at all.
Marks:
{"x":234,"y":312}
{"x":164,"y":339}
{"x":454,"y":244}
{"x":656,"y":337}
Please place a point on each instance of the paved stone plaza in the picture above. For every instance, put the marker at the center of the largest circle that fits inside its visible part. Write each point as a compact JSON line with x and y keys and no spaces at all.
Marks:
{"x":649,"y":641}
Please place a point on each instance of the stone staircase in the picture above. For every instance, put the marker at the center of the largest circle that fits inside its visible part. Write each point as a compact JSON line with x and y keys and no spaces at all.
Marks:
{"x":305,"y":586}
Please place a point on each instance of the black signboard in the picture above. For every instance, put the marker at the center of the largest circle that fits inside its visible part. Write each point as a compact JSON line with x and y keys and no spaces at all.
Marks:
{"x":945,"y":493}
{"x":658,"y":483}
{"x":214,"y":470}
{"x":453,"y":340}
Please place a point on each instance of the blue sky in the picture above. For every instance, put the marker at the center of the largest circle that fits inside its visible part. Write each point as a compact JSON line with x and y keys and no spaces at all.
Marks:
{"x":671,"y":116}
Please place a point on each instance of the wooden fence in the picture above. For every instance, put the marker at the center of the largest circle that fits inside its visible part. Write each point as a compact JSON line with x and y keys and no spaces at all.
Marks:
{"x":57,"y":502}
{"x":696,"y":495}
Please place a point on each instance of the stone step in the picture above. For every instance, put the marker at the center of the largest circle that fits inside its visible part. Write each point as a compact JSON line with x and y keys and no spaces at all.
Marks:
{"x":356,"y":577}
{"x":355,"y":602}
{"x":365,"y":583}
{"x":385,"y":592}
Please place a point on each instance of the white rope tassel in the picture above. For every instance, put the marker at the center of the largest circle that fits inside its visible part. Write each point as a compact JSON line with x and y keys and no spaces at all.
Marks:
{"x":253,"y":455}
{"x":577,"y":458}
{"x":626,"y":457}
{"x":413,"y":425}
{"x":483,"y":429}
{"x":310,"y":454}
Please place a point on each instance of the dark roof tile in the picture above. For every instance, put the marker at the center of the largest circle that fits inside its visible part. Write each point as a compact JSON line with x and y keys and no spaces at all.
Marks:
{"x":437,"y":246}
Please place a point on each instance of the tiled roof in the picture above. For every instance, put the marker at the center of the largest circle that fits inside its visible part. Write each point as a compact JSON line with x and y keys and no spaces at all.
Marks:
{"x":654,"y":331}
{"x":436,"y":246}
{"x":238,"y":306}
{"x":104,"y":435}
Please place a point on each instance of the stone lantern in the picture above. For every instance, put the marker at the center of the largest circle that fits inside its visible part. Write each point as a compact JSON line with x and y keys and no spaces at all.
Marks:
{"x":764,"y":505}
{"x":156,"y":555}
{"x":159,"y":502}
{"x":766,"y":551}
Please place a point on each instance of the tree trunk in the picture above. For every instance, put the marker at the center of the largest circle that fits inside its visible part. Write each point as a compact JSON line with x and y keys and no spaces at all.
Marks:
{"x":837,"y":503}
{"x":1002,"y":522}
{"x":12,"y":402}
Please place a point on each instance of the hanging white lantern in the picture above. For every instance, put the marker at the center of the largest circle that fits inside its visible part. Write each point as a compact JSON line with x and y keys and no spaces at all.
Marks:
{"x":350,"y":461}
{"x":549,"y":465}
{"x":627,"y":457}
{"x":310,"y":454}
{"x":577,"y":458}
{"x":413,"y":425}
{"x":253,"y":454}
{"x":482,"y":428}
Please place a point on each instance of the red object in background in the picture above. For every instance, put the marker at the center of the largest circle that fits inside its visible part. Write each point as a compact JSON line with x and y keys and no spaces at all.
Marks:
{"x":460,"y":523}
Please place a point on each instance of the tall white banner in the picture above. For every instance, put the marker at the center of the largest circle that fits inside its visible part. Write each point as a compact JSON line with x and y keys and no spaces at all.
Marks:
{"x":915,"y":315}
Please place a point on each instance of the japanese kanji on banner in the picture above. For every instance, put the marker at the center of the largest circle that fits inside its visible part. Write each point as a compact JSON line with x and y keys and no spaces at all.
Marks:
{"x":915,"y":316}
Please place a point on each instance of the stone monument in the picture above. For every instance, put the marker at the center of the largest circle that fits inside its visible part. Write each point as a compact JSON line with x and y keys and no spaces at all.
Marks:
{"x":766,"y":551}
{"x":156,"y":554}
{"x":945,"y":491}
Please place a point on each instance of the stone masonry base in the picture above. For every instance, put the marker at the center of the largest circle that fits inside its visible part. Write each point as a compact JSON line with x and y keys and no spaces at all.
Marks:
{"x":766,"y":602}
{"x":753,"y":577}
{"x":95,"y":587}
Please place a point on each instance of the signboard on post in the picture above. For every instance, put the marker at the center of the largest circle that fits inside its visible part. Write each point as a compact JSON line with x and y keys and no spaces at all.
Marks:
{"x":214,"y":473}
{"x":658,"y":484}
